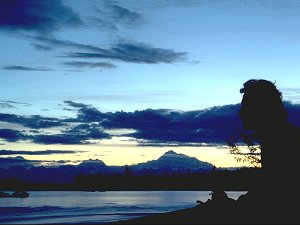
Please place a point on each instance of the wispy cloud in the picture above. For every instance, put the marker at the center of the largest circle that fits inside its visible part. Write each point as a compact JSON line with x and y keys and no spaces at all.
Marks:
{"x":41,"y":18}
{"x":110,"y":16}
{"x":124,"y":51}
{"x":25,"y":68}
{"x":125,"y":16}
{"x":12,"y":104}
{"x":133,"y":52}
{"x":44,"y":152}
{"x":80,"y":64}
{"x":6,"y":105}
{"x":35,"y":122}
{"x":36,"y":16}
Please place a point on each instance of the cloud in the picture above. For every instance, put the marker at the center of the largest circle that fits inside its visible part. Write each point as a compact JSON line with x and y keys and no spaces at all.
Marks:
{"x":86,"y":113}
{"x":35,"y":121}
{"x":110,"y":16}
{"x":50,"y":41}
{"x":39,"y":20}
{"x":12,"y":104}
{"x":212,"y":125}
{"x":25,"y":68}
{"x":6,"y":105}
{"x":293,"y":113}
{"x":205,"y":126}
{"x":151,"y":127}
{"x":57,"y":139}
{"x":12,"y":135}
{"x":37,"y":16}
{"x":80,"y":134}
{"x":124,"y":51}
{"x":78,"y":64}
{"x":45,"y":152}
{"x":133,"y":52}
{"x":124,"y":16}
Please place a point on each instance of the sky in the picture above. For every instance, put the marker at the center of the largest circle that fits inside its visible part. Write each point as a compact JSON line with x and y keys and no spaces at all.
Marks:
{"x":125,"y":81}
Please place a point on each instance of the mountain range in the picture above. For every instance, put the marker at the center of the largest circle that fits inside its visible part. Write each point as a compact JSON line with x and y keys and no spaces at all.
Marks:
{"x":169,"y":163}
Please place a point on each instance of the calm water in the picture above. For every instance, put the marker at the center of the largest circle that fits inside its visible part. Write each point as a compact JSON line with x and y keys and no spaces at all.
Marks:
{"x":95,"y":207}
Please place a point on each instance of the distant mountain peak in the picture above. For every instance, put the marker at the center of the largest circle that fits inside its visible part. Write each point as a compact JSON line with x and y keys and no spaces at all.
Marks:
{"x":171,"y":152}
{"x":176,"y":162}
{"x":92,"y":162}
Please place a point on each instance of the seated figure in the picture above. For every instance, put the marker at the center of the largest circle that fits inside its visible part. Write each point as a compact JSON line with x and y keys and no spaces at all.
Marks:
{"x":277,"y":189}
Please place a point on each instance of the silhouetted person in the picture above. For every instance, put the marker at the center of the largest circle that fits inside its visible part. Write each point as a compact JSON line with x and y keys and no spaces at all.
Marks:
{"x":275,"y":192}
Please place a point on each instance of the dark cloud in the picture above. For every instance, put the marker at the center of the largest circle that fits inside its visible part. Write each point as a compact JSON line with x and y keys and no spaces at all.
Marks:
{"x":13,"y":103}
{"x":57,"y":139}
{"x":206,"y":126}
{"x":160,"y":127}
{"x":213,"y":125}
{"x":6,"y":105}
{"x":38,"y":16}
{"x":78,"y":64}
{"x":124,"y":16}
{"x":80,"y":134}
{"x":133,"y":53}
{"x":12,"y":135}
{"x":77,"y":135}
{"x":45,"y":152}
{"x":52,"y":42}
{"x":124,"y":51}
{"x":34,"y":121}
{"x":25,"y":68}
{"x":87,"y":113}
{"x":293,"y":113}
{"x":110,"y":16}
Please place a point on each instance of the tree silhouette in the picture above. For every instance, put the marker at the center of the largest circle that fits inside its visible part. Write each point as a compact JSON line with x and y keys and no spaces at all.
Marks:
{"x":252,"y":155}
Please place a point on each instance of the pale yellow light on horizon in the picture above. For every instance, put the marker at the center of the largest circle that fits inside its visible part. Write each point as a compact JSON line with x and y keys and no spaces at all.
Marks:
{"x":127,"y":152}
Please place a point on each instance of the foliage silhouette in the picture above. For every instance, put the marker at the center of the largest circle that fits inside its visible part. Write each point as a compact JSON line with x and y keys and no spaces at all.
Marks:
{"x":252,"y":156}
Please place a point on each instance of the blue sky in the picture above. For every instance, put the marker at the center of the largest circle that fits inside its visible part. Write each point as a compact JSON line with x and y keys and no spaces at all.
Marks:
{"x":59,"y":58}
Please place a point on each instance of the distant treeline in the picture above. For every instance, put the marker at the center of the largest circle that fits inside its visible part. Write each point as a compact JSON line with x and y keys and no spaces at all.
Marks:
{"x":241,"y":179}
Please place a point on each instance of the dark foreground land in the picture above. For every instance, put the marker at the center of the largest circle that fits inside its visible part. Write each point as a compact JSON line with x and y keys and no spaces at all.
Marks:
{"x":222,"y":211}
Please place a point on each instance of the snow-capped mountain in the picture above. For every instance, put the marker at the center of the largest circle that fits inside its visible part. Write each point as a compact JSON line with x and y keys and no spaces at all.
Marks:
{"x":92,"y":166}
{"x":174,"y":163}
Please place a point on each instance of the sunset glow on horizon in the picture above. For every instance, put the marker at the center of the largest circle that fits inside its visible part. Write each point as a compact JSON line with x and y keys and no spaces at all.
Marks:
{"x":126,"y":81}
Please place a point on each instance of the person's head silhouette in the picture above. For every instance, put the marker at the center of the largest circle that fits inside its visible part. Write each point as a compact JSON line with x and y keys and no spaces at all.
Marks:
{"x":262,"y":111}
{"x":261,"y":107}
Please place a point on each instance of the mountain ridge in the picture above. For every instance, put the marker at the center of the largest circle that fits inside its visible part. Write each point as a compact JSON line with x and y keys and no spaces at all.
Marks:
{"x":170,"y":162}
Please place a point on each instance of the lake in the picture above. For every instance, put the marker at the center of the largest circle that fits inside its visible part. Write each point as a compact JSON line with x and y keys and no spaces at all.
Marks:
{"x":43,"y":207}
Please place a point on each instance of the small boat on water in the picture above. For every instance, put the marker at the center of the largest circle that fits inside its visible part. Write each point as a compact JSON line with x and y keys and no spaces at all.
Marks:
{"x":15,"y":194}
